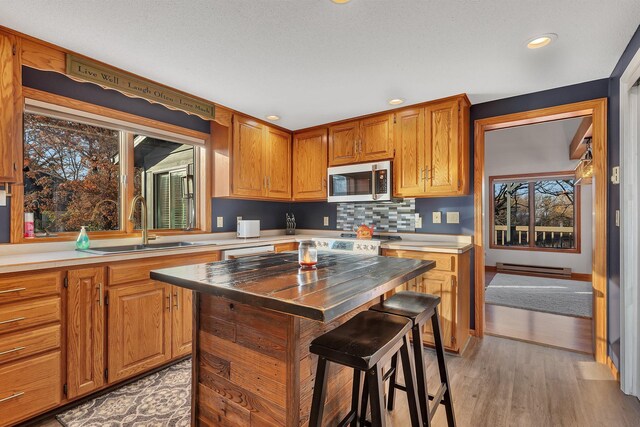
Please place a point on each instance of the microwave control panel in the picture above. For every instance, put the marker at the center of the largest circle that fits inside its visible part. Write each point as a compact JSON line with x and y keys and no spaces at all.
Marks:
{"x":381,"y":181}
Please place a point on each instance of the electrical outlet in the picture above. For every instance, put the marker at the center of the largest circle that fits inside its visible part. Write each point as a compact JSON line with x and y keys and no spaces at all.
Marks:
{"x":418,"y":221}
{"x":326,"y":221}
{"x":219,"y":222}
{"x":3,"y":197}
{"x":437,"y":217}
{"x":615,"y":175}
{"x":238,"y":218}
{"x":453,"y":217}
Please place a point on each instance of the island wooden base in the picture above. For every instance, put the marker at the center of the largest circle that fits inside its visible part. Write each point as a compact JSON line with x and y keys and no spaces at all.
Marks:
{"x":252,"y":366}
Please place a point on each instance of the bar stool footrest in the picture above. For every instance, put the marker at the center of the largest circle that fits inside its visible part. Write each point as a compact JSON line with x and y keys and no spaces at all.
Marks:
{"x":437,"y":398}
{"x":347,"y":419}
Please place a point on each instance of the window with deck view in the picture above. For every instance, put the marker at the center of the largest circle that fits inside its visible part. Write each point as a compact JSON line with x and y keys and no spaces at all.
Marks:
{"x":535,"y":213}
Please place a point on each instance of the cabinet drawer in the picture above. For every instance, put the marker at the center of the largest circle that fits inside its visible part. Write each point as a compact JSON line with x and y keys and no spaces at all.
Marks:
{"x":17,"y":288}
{"x":17,"y":316}
{"x":20,"y":344}
{"x":137,"y":271}
{"x":444,"y":262}
{"x":29,"y":387}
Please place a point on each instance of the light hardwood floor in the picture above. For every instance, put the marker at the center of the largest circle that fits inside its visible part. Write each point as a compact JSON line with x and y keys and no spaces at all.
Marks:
{"x":502,"y":382}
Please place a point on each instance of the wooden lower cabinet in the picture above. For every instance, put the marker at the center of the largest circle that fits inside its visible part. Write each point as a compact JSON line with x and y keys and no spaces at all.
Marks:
{"x":29,"y":387}
{"x":182,"y":321}
{"x":85,"y":331}
{"x":450,"y":279}
{"x":139,"y":335}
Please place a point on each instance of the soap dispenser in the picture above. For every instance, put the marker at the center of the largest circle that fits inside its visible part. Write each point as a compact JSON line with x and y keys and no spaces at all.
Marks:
{"x":82,"y":242}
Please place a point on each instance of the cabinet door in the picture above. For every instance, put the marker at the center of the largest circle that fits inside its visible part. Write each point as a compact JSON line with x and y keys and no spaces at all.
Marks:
{"x":8,"y":110}
{"x":249,"y":178}
{"x":85,"y":331}
{"x":310,"y":165}
{"x":443,"y":147}
{"x":278,"y":163}
{"x":376,"y":138}
{"x":139,"y":328}
{"x":182,"y":319}
{"x":442,"y":285}
{"x":409,"y":165}
{"x":343,"y":143}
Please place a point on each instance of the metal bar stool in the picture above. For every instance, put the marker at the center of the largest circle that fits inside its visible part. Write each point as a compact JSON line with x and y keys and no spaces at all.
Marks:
{"x":418,"y":308}
{"x":365,"y":343}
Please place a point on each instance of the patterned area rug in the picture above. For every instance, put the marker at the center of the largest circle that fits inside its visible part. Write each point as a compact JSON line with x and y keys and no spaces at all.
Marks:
{"x":158,"y":400}
{"x":558,"y":296}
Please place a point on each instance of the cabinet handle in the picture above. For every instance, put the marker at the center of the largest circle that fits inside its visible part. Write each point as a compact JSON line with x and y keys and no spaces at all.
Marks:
{"x":13,"y":396}
{"x":99,"y":288}
{"x":324,"y":182}
{"x":169,"y":301}
{"x":177,"y":302}
{"x":8,"y":291}
{"x":269,"y":183}
{"x":13,"y":350}
{"x":17,"y":319}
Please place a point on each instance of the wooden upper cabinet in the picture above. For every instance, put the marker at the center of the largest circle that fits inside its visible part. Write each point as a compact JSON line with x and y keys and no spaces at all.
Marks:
{"x":343,"y":143}
{"x":278,"y":163}
{"x":432,"y":150}
{"x":247,"y":157}
{"x":376,"y":138}
{"x":366,"y":140}
{"x":9,"y":81}
{"x":443,"y":150}
{"x":85,"y":330}
{"x":409,"y":165}
{"x":261,"y":161}
{"x":310,"y":158}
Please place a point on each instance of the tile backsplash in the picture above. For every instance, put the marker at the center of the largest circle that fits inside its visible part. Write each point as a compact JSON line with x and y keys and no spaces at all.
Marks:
{"x":400,"y":217}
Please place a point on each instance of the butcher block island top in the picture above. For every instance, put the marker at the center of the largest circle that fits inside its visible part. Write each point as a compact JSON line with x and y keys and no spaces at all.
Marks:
{"x":338,"y":284}
{"x":254,"y":319}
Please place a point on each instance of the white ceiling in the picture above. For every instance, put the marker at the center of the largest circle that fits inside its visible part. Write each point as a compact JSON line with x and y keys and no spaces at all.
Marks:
{"x":312,"y":61}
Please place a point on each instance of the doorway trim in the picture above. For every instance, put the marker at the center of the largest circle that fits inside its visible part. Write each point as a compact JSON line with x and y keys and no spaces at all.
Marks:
{"x":597,"y":108}
{"x":629,"y":229}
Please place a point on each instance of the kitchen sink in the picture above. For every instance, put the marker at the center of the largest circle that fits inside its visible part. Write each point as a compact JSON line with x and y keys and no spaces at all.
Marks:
{"x":140,"y":248}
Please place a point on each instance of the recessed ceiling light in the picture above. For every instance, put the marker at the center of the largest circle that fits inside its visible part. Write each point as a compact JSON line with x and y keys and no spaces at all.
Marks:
{"x":541,"y":41}
{"x":273,"y":117}
{"x":396,"y":101}
{"x":340,"y":1}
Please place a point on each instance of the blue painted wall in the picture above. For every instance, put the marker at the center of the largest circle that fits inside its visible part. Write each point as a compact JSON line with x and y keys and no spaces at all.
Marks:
{"x":5,"y":221}
{"x":613,"y":232}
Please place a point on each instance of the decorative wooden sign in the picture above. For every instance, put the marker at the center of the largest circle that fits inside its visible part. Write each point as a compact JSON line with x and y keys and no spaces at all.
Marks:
{"x":91,"y":71}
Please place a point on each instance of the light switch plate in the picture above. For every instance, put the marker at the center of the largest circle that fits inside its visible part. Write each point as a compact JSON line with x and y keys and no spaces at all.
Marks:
{"x":238,"y":218}
{"x":326,"y":221}
{"x":418,"y":221}
{"x":617,"y":217}
{"x":453,"y":217}
{"x":437,"y":217}
{"x":615,"y":175}
{"x":219,"y":222}
{"x":3,"y":198}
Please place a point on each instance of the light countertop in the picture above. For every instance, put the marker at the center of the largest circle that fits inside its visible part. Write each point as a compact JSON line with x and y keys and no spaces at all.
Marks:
{"x":37,"y":256}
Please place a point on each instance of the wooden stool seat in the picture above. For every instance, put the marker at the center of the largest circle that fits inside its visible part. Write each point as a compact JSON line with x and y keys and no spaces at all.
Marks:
{"x":416,"y":306}
{"x":366,"y":342}
{"x":363,"y":340}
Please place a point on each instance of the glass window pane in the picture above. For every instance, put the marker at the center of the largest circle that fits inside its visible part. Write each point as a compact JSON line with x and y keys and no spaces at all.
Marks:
{"x":555,"y":214}
{"x":511,"y":214}
{"x":71,"y":175}
{"x":165,"y":176}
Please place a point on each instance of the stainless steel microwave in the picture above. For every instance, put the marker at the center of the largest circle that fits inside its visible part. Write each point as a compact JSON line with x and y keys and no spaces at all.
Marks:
{"x":365,"y":182}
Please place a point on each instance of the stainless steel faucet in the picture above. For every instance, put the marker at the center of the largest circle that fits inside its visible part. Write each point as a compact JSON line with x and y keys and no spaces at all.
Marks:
{"x":143,"y":214}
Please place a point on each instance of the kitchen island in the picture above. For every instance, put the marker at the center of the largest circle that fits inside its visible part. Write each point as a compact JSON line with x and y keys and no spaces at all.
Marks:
{"x":254,"y":319}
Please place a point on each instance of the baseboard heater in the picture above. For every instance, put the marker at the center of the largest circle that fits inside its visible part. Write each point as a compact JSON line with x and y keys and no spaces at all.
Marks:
{"x":533,"y":269}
